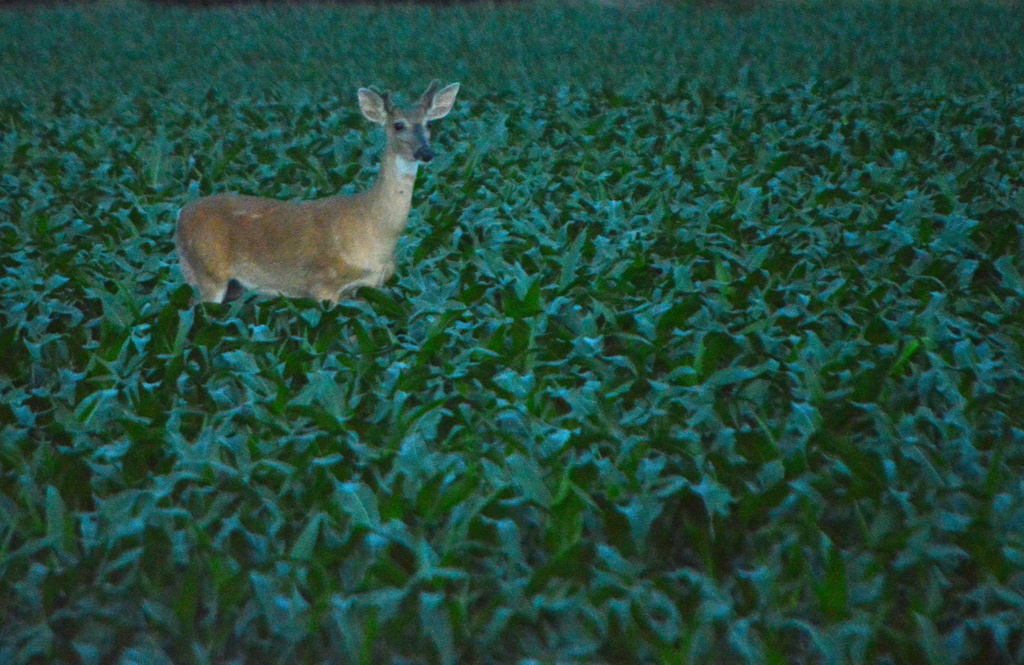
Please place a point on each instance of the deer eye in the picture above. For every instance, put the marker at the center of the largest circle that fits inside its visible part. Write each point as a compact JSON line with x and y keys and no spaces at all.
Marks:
{"x":399,"y":125}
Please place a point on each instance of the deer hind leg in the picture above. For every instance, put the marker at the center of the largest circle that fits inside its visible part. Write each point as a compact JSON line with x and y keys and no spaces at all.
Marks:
{"x":212,"y":284}
{"x":206,"y":245}
{"x":213,"y":289}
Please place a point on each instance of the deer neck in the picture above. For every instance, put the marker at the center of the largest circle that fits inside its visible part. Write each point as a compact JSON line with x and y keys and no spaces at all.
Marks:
{"x":391,"y":195}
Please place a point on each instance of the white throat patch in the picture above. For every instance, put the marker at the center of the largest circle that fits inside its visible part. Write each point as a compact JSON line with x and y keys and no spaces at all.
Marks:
{"x":405,"y":168}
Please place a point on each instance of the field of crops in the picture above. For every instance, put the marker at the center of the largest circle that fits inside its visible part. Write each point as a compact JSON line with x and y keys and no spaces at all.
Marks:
{"x":705,"y":343}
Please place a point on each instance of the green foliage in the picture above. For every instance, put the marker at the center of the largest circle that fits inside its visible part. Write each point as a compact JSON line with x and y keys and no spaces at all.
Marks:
{"x":688,"y":376}
{"x":524,"y":47}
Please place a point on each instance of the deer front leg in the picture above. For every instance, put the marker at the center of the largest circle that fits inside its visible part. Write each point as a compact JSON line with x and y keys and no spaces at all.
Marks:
{"x":333,"y":283}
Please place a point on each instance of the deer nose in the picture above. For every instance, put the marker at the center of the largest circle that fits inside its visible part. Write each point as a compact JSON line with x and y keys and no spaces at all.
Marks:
{"x":423,"y":154}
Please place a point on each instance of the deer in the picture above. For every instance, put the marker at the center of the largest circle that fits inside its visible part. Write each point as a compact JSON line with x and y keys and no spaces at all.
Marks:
{"x":324,"y":248}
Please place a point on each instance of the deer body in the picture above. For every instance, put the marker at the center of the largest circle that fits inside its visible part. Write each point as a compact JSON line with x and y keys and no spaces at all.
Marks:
{"x":316,"y":249}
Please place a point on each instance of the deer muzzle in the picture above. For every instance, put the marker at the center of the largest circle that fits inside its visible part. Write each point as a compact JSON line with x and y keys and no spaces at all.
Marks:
{"x":423,"y":153}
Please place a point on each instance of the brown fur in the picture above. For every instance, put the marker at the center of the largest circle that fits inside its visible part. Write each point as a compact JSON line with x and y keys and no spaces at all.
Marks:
{"x":313,"y":249}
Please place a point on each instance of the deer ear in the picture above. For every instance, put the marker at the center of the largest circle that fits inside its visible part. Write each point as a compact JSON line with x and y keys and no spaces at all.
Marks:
{"x":428,"y":95}
{"x":373,"y":106}
{"x":441,"y":103}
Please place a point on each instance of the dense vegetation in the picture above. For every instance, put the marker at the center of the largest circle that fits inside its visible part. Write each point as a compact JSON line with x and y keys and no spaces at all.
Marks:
{"x":705,"y":344}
